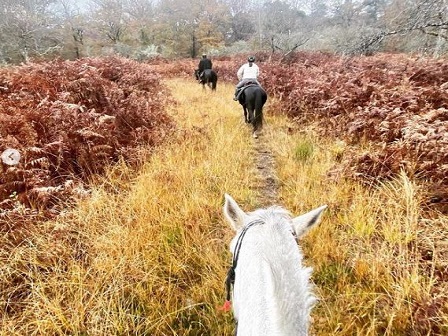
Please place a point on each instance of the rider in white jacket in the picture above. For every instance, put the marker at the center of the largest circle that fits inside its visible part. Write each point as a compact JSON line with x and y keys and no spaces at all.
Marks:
{"x":248,"y":72}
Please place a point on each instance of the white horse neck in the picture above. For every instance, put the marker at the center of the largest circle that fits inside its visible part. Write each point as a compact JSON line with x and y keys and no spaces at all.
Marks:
{"x":272,"y":294}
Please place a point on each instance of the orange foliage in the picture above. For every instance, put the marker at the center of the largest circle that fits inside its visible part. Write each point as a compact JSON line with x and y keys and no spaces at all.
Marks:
{"x":397,"y":103}
{"x":69,"y":119}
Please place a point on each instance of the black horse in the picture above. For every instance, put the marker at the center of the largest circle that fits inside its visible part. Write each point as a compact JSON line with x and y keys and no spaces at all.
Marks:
{"x":208,"y":76}
{"x":253,"y":98}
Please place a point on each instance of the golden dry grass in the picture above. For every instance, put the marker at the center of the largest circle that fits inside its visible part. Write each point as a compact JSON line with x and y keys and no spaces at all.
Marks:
{"x":146,"y":253}
{"x":368,"y":260}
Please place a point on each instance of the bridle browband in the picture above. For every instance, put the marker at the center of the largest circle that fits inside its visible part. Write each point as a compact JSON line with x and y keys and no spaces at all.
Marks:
{"x":230,"y":279}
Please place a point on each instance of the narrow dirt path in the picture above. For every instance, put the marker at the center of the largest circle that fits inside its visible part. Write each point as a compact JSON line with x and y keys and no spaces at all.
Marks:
{"x":211,"y":105}
{"x":265,"y":166}
{"x":364,"y":236}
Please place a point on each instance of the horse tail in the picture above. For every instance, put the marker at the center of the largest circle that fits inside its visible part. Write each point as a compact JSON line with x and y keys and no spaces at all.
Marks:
{"x":214,"y":79}
{"x":260,"y":99}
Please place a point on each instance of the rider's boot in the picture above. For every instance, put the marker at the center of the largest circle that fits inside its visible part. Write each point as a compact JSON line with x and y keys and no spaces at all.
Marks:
{"x":235,"y":96}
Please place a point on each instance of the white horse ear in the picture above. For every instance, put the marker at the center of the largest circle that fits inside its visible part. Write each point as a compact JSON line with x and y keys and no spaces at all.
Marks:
{"x":233,"y":213}
{"x":306,"y":221}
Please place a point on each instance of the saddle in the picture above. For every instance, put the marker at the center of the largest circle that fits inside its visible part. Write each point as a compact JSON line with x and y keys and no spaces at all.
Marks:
{"x":240,"y":90}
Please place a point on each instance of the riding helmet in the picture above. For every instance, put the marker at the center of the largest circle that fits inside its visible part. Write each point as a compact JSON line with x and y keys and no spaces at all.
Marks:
{"x":251,"y":59}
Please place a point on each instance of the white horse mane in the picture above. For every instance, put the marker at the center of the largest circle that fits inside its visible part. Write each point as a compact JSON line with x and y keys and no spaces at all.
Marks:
{"x":272,"y":294}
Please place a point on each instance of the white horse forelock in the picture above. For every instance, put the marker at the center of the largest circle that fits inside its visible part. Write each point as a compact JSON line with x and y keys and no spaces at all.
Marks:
{"x":272,"y":293}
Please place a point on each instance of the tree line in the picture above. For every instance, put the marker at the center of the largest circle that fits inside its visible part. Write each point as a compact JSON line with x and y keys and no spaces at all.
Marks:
{"x":142,"y":29}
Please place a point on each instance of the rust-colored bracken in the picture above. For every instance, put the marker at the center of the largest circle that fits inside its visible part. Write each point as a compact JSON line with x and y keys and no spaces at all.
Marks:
{"x":69,"y":119}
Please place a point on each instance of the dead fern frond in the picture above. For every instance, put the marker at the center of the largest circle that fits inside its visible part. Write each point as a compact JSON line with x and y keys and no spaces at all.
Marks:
{"x":63,"y":116}
{"x":7,"y":204}
{"x":42,"y":162}
{"x":105,"y":119}
{"x":89,"y":134}
{"x":17,"y":186}
{"x":103,"y":150}
{"x":50,"y":147}
{"x":35,"y":150}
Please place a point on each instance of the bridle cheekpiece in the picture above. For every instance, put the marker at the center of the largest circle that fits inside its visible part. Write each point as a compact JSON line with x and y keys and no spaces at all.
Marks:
{"x":230,"y":279}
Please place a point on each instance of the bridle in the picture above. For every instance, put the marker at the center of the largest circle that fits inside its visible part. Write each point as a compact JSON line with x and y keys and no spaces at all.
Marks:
{"x":230,"y":279}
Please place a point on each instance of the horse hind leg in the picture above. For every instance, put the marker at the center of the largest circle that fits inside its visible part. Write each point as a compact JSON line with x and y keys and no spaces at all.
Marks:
{"x":255,"y":131}
{"x":257,"y":123}
{"x":246,"y":115}
{"x":252,"y":117}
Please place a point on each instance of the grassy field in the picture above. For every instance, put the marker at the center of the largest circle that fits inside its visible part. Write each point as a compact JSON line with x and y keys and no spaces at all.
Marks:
{"x":368,"y":256}
{"x":147,"y":253}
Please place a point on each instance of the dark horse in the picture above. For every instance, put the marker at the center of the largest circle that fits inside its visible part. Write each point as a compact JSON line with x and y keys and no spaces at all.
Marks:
{"x":253,"y":99}
{"x":208,"y":77}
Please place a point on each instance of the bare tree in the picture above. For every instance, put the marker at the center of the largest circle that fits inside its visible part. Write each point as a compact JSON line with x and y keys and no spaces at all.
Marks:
{"x":191,"y":26}
{"x":137,"y":28}
{"x":111,"y":19}
{"x":367,"y":26}
{"x":284,"y":27}
{"x":242,"y":21}
{"x":413,"y":19}
{"x":73,"y":23}
{"x":27,"y":29}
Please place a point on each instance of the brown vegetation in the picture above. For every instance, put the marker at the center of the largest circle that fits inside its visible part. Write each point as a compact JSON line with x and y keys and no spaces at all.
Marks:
{"x":380,"y":262}
{"x":394,"y":106}
{"x":69,"y":120}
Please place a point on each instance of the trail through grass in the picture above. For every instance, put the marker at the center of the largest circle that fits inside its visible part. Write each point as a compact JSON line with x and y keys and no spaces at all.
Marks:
{"x":147,"y":253}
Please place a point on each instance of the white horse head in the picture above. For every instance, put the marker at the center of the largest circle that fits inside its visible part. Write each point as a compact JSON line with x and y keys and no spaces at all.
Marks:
{"x":271,"y":289}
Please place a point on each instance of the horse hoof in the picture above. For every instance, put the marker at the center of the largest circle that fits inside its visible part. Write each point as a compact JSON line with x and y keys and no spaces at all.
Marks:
{"x":255,"y":135}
